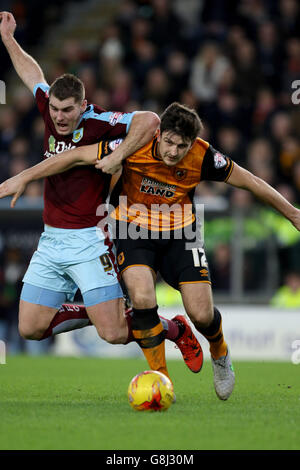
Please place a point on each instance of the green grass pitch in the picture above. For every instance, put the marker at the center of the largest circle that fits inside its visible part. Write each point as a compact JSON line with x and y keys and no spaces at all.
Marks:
{"x":53,"y":403}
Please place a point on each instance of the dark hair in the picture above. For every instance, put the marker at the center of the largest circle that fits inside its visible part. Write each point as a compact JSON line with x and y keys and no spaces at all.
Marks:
{"x":67,"y":86}
{"x":181,"y":120}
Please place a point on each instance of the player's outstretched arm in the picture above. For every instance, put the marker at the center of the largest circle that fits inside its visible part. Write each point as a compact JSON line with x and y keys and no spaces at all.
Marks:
{"x":26,"y":67}
{"x":242,"y":178}
{"x":143,"y":127}
{"x":15,"y":186}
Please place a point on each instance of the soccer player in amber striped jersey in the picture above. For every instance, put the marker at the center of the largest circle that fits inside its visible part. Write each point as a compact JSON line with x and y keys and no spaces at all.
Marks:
{"x":165,"y":172}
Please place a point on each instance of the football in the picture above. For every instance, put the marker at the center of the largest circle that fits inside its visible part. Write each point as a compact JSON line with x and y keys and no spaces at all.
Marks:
{"x":150,"y":391}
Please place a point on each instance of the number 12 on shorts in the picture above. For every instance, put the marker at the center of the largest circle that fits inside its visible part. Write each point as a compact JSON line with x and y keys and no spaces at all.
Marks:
{"x":199,"y":258}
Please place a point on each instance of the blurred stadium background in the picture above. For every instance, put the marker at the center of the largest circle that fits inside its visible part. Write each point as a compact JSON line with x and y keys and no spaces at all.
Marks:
{"x":236,"y":63}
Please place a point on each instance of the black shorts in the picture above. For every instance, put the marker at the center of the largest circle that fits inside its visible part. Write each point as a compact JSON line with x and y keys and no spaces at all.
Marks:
{"x":177,"y":258}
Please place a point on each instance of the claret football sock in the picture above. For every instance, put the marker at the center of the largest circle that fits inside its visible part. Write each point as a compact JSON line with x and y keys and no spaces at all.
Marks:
{"x":68,"y":318}
{"x":214,"y":335}
{"x":172,"y":329}
{"x":128,"y":316}
{"x":149,"y":333}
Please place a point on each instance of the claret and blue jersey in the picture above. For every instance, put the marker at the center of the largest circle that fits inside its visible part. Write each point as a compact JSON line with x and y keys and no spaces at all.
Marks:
{"x":71,"y":198}
{"x":72,"y":253}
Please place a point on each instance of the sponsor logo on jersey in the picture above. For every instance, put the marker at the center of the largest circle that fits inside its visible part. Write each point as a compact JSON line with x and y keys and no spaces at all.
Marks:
{"x":219,"y":160}
{"x":203,"y":272}
{"x":77,"y":135}
{"x":115,"y":118}
{"x":57,"y":147}
{"x":156,"y":188}
{"x":51,"y":142}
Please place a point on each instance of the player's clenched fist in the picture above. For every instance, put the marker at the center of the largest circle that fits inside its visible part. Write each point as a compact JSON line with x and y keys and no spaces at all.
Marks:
{"x":109,"y":165}
{"x":7,"y":25}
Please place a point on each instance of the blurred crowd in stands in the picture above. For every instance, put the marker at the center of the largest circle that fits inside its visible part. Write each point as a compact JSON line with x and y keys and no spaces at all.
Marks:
{"x":235,"y":62}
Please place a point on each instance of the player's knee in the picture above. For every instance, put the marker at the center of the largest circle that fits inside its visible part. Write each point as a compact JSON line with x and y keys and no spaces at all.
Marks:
{"x":112,"y":336}
{"x":27,"y":332}
{"x":202,"y":317}
{"x":143,"y":298}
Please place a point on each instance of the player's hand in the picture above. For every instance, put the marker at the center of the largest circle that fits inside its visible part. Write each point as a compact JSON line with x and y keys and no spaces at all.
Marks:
{"x":15,"y":187}
{"x":110,"y":165}
{"x":7,"y":25}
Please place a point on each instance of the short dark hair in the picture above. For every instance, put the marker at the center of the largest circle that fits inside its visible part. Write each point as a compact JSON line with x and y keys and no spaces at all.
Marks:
{"x":181,"y":120}
{"x":67,"y":86}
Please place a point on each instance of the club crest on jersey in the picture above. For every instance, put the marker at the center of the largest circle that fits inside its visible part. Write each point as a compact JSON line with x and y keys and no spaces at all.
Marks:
{"x":180,"y":173}
{"x":219,"y":160}
{"x":77,"y":135}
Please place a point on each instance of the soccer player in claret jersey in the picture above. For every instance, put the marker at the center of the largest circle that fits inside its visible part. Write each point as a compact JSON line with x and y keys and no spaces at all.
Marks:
{"x":72,"y":253}
{"x":165,"y":172}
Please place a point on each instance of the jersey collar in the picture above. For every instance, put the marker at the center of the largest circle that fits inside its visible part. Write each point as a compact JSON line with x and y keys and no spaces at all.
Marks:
{"x":154,"y":149}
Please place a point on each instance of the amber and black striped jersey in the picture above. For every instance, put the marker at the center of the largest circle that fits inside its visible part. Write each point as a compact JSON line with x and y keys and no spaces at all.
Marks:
{"x":158,"y":197}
